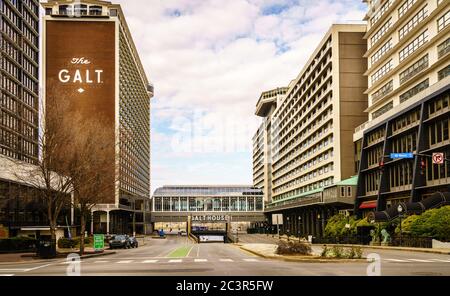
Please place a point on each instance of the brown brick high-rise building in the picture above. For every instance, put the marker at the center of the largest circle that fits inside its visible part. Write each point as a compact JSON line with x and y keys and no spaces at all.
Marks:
{"x":90,"y":58}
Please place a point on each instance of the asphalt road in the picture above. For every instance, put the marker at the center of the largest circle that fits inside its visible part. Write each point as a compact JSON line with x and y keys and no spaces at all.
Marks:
{"x":178,"y":256}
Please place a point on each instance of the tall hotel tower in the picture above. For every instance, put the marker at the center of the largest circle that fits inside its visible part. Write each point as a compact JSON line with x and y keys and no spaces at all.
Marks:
{"x":90,"y":58}
{"x":408,"y":108}
{"x":19,"y":113}
{"x":19,"y":74}
{"x":307,"y":135}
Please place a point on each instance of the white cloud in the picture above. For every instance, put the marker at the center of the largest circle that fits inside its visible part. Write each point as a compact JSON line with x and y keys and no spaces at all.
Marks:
{"x":214,"y":58}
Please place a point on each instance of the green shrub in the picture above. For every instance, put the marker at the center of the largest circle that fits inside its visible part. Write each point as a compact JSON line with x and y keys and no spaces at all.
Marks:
{"x":406,"y":224}
{"x":293,"y":248}
{"x":67,"y":243}
{"x":17,"y":244}
{"x":337,"y":251}
{"x":432,"y":223}
{"x":350,"y":254}
{"x":358,"y":252}
{"x":324,"y":252}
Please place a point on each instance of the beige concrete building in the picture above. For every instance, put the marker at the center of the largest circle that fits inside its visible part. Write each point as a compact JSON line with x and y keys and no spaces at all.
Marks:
{"x":311,"y":130}
{"x":408,"y":67}
{"x":262,"y":158}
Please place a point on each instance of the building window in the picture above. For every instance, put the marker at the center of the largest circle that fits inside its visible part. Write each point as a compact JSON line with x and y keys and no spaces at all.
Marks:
{"x":413,"y":46}
{"x":382,"y":110}
{"x":379,"y":13}
{"x":382,"y":71}
{"x":48,"y":11}
{"x":405,"y":7}
{"x":95,"y":10}
{"x":80,"y":9}
{"x":377,"y":36}
{"x":372,"y":182}
{"x":65,"y":10}
{"x":420,"y":16}
{"x":444,"y":73}
{"x":381,"y":52}
{"x":349,"y":191}
{"x":414,"y":91}
{"x":443,"y":48}
{"x":383,"y":91}
{"x":401,"y":174}
{"x":438,"y":132}
{"x":342,"y":191}
{"x":406,"y":121}
{"x":414,"y":69}
{"x":441,"y":103}
{"x":443,"y":21}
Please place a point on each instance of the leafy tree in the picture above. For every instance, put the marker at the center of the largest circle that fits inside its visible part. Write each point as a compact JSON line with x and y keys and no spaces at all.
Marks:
{"x":433,"y":223}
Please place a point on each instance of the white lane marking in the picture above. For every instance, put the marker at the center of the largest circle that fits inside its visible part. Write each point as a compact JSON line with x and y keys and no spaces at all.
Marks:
{"x":198,"y":251}
{"x":440,"y":260}
{"x":225,"y":260}
{"x":200,"y":260}
{"x":38,"y":267}
{"x":251,"y":260}
{"x":6,"y":274}
{"x":101,"y":261}
{"x":149,"y":261}
{"x":175,"y":261}
{"x":189,"y":252}
{"x":125,"y":261}
{"x":13,"y":269}
{"x":396,"y":260}
{"x":421,"y":260}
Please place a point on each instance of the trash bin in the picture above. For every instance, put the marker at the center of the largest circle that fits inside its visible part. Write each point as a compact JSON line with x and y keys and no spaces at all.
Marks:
{"x":46,"y":248}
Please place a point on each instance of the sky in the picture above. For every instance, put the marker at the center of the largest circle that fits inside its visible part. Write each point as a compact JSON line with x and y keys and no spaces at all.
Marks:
{"x":209,"y":61}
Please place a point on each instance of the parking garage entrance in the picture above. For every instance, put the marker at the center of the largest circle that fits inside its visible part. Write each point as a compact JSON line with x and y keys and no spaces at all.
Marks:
{"x":209,"y":228}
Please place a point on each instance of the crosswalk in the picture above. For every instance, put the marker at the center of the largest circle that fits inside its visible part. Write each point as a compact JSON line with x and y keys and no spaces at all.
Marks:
{"x":172,"y":261}
{"x":245,"y":260}
{"x":414,"y":260}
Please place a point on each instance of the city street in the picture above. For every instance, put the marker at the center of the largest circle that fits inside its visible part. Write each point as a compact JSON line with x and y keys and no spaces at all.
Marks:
{"x":178,"y":256}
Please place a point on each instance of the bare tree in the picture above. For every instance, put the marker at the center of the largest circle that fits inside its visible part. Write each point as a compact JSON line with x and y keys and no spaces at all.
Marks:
{"x":47,"y":174}
{"x":93,"y":170}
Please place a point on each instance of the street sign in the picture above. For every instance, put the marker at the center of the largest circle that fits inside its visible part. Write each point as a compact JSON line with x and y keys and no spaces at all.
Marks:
{"x":438,"y":158}
{"x":99,"y":242}
{"x":402,"y":155}
{"x":277,"y":219}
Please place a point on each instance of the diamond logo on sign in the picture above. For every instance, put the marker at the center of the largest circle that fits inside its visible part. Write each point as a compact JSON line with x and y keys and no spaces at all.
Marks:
{"x":438,"y":158}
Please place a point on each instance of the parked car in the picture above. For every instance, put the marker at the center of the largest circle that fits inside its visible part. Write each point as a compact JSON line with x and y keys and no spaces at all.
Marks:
{"x":134,"y":242}
{"x":182,"y":233}
{"x":120,"y":241}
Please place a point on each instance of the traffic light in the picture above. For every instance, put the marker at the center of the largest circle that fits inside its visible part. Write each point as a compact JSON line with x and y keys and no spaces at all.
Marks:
{"x":423,"y":166}
{"x":381,"y":164}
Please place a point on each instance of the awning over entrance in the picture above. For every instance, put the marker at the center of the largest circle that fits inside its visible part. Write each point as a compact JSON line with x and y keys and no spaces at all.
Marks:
{"x":368,"y":204}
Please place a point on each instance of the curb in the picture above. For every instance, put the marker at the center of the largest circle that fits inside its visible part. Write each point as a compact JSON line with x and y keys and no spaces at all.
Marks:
{"x":443,"y":252}
{"x":304,"y":260}
{"x":97,"y":255}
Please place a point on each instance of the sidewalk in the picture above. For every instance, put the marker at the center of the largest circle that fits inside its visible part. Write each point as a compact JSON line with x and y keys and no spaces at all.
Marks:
{"x":422,"y":250}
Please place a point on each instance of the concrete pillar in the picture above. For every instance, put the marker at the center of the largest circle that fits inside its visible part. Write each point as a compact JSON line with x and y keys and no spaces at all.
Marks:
{"x":107,"y":222}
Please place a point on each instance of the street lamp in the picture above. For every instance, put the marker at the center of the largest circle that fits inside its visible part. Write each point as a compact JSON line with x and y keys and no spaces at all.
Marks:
{"x":400,"y":210}
{"x":288,"y":227}
{"x":299,"y":225}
